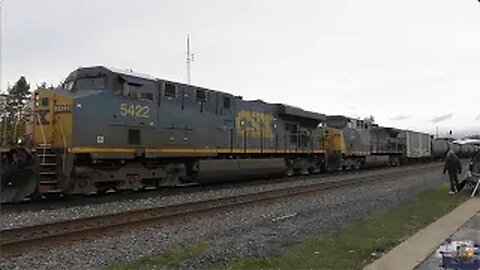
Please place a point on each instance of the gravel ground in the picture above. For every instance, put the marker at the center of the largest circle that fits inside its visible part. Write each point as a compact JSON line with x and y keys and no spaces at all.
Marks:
{"x":256,"y":230}
{"x":29,"y":218}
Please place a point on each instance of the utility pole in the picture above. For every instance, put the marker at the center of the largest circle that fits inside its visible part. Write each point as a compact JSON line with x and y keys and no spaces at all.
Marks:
{"x":189,"y":61}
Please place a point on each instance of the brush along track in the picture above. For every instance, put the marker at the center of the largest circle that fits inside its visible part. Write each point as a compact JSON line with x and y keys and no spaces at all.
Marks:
{"x":16,"y":241}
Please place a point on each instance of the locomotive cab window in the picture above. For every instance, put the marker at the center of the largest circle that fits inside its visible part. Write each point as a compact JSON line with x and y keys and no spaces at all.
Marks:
{"x":130,"y":90}
{"x":137,"y":88}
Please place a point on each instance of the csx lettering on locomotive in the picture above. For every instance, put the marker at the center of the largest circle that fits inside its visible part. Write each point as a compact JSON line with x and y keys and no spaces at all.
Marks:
{"x":257,"y":124}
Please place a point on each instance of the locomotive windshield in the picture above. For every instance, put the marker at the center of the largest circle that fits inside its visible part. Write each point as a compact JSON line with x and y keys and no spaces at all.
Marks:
{"x":91,"y":83}
{"x":68,"y":85}
{"x":86,"y":83}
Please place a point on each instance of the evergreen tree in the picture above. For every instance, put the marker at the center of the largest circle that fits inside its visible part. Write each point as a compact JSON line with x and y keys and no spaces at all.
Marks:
{"x":14,"y":107}
{"x":3,"y":118}
{"x":19,"y":95}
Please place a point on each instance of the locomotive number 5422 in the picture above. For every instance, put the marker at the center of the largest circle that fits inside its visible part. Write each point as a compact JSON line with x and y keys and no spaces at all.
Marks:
{"x":134,"y":110}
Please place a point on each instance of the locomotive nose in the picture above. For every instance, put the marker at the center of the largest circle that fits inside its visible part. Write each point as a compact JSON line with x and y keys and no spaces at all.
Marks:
{"x":52,"y":118}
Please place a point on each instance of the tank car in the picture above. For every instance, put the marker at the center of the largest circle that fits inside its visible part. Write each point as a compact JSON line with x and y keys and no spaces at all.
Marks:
{"x":439,"y":148}
{"x":463,"y":149}
{"x":466,"y":150}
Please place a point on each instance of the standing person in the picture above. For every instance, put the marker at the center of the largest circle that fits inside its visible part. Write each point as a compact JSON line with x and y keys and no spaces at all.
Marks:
{"x":454,"y":167}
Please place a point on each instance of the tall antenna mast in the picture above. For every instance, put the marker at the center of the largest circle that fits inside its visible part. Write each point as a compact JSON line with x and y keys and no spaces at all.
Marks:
{"x":189,"y":61}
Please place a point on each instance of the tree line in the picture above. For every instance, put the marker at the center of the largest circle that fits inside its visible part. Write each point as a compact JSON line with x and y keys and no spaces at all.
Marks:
{"x":14,"y":111}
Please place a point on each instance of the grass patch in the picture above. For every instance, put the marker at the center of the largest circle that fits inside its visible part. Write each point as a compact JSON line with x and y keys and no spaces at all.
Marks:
{"x":170,"y":259}
{"x":353,"y":248}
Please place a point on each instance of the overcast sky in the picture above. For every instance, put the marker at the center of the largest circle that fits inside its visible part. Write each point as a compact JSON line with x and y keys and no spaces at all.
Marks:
{"x":411,"y":64}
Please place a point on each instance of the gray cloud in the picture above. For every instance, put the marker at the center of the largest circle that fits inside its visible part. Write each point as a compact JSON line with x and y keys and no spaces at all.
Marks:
{"x":328,"y":53}
{"x":441,"y":118}
{"x":400,"y":117}
{"x":478,"y":117}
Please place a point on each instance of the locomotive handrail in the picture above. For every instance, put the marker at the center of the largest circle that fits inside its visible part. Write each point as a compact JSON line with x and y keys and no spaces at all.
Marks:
{"x":16,"y":128}
{"x":64,"y":143}
{"x":43,"y":135}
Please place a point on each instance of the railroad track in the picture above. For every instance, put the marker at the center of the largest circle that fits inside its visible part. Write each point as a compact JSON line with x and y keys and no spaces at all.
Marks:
{"x":73,"y":201}
{"x":14,"y":242}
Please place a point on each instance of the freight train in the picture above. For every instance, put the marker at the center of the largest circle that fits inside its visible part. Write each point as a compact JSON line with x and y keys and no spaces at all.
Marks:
{"x":105,"y":129}
{"x":441,"y":145}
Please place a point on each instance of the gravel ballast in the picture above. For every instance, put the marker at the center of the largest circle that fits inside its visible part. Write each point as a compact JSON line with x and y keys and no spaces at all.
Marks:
{"x":254,"y":230}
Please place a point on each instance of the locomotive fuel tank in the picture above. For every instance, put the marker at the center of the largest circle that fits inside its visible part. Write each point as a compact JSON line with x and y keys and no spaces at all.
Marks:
{"x":221,"y":170}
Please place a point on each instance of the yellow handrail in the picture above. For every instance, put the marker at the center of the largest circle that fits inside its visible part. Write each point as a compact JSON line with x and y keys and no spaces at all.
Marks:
{"x":64,"y":143}
{"x":43,"y":135}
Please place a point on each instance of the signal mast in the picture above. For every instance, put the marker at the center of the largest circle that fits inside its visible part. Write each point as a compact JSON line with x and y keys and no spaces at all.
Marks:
{"x":189,"y":61}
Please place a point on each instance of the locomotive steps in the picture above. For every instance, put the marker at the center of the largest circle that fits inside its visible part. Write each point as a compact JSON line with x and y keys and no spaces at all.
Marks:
{"x":15,"y":241}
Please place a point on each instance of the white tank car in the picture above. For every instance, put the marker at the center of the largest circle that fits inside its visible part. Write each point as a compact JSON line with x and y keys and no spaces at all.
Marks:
{"x":440,"y":147}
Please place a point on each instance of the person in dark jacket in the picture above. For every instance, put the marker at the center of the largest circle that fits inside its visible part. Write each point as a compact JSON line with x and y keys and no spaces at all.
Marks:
{"x":454,"y":167}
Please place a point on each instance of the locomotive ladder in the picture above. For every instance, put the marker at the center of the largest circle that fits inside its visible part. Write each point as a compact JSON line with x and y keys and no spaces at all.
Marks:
{"x":47,"y":169}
